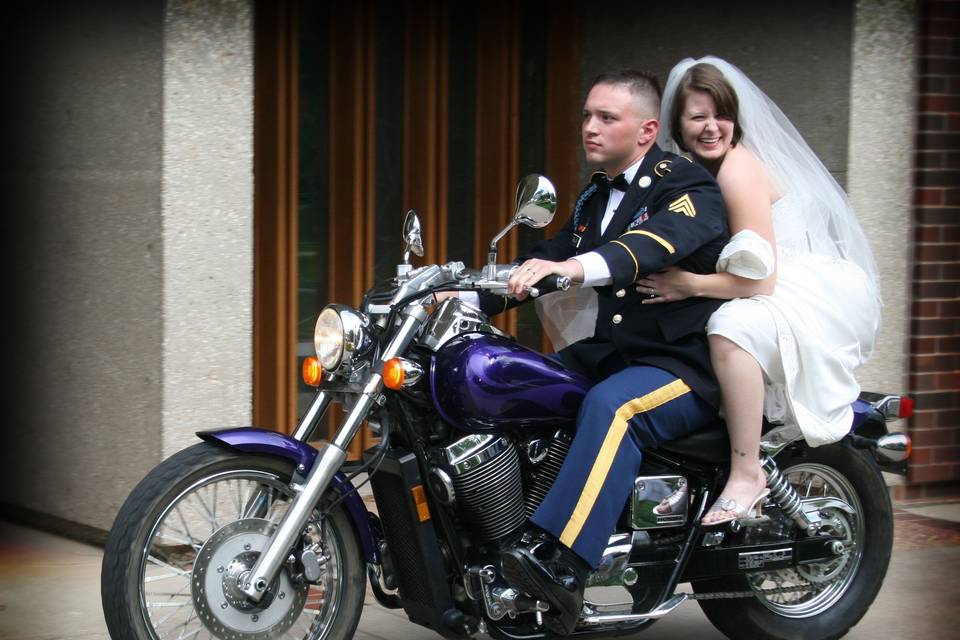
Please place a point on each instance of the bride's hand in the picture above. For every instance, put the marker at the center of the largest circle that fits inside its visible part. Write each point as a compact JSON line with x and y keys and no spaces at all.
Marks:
{"x":669,"y":285}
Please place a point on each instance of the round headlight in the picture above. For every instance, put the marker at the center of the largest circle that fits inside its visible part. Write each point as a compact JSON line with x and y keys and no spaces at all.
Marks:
{"x":328,"y":339}
{"x":339,"y":336}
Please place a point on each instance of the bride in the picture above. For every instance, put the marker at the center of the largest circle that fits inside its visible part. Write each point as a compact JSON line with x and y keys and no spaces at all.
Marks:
{"x":801,"y":317}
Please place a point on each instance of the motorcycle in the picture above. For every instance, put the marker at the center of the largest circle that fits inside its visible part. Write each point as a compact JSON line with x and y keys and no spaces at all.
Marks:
{"x":253,"y":534}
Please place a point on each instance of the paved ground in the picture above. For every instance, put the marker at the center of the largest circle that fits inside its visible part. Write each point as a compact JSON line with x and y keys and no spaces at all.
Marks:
{"x":50,"y":588}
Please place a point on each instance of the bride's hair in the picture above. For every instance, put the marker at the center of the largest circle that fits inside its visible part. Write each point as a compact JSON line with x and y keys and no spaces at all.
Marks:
{"x":705,"y":78}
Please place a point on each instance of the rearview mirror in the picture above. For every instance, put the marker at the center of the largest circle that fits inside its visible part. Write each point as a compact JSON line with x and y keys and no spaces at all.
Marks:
{"x":412,"y":237}
{"x":536,"y":201}
{"x":536,"y":204}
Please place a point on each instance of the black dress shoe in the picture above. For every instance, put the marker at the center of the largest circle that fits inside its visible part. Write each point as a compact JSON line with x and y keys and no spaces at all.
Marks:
{"x":558,"y":582}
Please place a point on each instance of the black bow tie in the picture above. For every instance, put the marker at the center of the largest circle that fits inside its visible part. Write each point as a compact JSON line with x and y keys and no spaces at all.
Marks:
{"x":604,"y":184}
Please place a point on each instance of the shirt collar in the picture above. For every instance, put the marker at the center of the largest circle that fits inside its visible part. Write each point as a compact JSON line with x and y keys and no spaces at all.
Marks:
{"x":631,"y":171}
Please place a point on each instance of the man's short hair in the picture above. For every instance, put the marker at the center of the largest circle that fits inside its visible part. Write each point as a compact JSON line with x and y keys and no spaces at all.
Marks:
{"x":641,"y":84}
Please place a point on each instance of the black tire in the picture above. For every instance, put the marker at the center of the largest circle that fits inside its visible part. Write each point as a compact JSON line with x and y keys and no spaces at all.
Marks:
{"x":832,"y":610}
{"x":156,"y":557}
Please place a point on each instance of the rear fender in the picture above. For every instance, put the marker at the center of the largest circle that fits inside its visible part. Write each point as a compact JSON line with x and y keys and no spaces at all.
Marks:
{"x":255,"y":440}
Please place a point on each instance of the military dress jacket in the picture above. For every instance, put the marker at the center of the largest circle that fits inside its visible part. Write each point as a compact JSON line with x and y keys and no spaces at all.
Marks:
{"x":671,"y":214}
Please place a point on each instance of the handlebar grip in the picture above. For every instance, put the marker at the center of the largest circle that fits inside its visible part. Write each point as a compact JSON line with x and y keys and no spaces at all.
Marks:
{"x":551,"y":283}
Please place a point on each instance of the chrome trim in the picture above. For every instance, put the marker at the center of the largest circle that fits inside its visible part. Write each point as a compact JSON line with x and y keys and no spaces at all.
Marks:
{"x":813,"y":510}
{"x":819,"y":504}
{"x":316,"y":410}
{"x":712,"y":538}
{"x":784,"y":495}
{"x":613,"y":563}
{"x":412,"y":372}
{"x":778,"y":438}
{"x":451,"y":319}
{"x":893,"y":447}
{"x":658,"y":612}
{"x":648,"y":491}
{"x":887,"y":405}
{"x":474,"y":450}
{"x":412,"y":236}
{"x":442,"y":486}
{"x":536,"y":450}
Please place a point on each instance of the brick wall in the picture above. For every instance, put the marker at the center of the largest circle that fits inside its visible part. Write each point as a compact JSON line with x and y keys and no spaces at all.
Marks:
{"x":935,"y":317}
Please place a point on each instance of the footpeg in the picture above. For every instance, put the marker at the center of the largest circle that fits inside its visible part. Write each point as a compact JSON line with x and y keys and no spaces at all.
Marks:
{"x":526,"y":604}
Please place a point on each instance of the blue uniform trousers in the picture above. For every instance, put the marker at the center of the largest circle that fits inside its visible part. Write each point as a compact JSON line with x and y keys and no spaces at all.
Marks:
{"x":638,"y":407}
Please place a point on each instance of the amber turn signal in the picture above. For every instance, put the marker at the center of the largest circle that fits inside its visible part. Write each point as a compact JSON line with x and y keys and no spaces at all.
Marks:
{"x":312,"y":373}
{"x":393,"y":374}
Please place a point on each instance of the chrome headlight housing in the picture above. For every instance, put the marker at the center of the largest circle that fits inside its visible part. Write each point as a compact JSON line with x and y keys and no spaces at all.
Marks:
{"x":339,"y":335}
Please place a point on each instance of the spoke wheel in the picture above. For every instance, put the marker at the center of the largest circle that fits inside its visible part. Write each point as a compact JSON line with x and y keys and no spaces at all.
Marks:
{"x":827,"y":581}
{"x":187,"y":538}
{"x":830,"y":596}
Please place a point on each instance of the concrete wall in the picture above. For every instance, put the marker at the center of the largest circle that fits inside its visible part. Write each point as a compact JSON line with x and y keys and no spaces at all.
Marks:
{"x":81,"y":177}
{"x":207,"y":218}
{"x":800,"y":58}
{"x":129,"y":186}
{"x":882,"y":125}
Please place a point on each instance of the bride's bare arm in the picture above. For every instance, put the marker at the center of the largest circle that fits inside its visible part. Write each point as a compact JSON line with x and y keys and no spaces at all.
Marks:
{"x":747,"y":193}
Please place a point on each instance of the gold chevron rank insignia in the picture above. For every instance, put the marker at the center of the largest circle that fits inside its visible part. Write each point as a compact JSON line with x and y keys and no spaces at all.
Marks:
{"x":683,"y":205}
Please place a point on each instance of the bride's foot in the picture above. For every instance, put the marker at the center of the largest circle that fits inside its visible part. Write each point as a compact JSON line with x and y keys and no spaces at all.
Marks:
{"x":737,"y":500}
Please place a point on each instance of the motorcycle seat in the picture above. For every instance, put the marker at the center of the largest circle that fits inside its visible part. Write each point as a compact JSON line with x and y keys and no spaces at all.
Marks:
{"x":710,"y":444}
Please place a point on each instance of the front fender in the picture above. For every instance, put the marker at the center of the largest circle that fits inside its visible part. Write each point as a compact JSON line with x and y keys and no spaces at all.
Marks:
{"x":255,"y":440}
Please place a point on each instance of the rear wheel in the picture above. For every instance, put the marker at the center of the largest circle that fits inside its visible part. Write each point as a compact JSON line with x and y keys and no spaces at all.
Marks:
{"x":823,"y":600}
{"x":189,"y":534}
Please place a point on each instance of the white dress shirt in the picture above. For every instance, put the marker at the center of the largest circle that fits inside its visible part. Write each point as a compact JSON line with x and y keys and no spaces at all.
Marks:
{"x":595,"y":270}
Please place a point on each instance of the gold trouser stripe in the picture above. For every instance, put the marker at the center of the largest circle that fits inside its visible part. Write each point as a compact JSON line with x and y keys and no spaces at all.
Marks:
{"x":663,"y":243}
{"x":608,"y":451}
{"x":636,"y":267}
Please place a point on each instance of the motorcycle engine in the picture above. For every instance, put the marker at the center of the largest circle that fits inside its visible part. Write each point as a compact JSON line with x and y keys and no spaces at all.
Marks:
{"x":480,"y":477}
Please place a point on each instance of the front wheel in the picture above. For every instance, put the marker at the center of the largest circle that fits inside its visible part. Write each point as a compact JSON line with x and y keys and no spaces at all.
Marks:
{"x":819,"y":601}
{"x":190,"y":530}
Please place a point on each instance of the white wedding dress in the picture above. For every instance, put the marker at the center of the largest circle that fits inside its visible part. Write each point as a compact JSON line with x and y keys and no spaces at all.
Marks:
{"x":810,"y":335}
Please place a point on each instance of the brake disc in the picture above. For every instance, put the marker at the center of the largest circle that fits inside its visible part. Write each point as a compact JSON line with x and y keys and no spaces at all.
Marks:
{"x":222,"y":566}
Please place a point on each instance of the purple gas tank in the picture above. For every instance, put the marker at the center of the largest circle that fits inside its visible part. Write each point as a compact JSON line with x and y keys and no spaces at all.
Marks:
{"x":482,"y":382}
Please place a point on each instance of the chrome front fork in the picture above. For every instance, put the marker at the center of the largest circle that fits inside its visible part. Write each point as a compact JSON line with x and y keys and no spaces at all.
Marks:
{"x":329,"y":460}
{"x":311,"y":417}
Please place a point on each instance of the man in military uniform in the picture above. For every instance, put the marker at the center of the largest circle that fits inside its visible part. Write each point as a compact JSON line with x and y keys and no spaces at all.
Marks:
{"x":652,"y":361}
